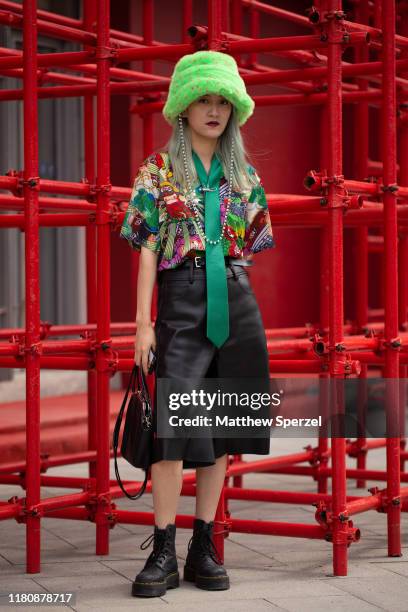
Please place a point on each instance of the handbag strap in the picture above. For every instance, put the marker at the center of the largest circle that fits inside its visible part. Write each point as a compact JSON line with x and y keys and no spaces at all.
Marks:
{"x":143,"y":384}
{"x":131,"y":384}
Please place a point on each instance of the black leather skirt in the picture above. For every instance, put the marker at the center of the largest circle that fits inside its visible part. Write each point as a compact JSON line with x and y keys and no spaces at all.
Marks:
{"x":183,"y":350}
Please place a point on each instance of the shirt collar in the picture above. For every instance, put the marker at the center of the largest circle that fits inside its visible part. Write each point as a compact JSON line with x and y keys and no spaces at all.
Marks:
{"x":215,"y":173}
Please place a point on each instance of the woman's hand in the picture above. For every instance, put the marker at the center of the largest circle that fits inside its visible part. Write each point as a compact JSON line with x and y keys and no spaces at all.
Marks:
{"x":144,"y":341}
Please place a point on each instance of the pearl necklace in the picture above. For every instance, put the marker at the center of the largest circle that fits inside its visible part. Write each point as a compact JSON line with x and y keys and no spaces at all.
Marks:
{"x":191,"y":196}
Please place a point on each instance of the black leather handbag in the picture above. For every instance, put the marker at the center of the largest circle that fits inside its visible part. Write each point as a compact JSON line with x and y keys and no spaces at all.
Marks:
{"x":137,"y":439}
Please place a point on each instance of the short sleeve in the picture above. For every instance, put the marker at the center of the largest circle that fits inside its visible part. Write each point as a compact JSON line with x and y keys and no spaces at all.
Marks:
{"x":258,"y":227}
{"x":140,"y":225}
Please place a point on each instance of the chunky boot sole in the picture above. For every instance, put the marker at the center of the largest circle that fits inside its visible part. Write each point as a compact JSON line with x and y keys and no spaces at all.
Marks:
{"x":209,"y":583}
{"x":155,"y":589}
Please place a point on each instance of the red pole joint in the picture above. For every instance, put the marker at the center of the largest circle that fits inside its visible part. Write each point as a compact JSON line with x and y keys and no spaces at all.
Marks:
{"x":94,"y":189}
{"x":347,"y":535}
{"x":355,"y":448}
{"x":20,"y":501}
{"x":103,"y":217}
{"x":117,"y":215}
{"x":326,"y":519}
{"x":320,"y":346}
{"x":112,"y":517}
{"x":355,"y":202}
{"x":103,"y":357}
{"x":141,"y":106}
{"x":42,"y":73}
{"x":318,"y":461}
{"x":102,"y":52}
{"x":45,"y":327}
{"x":313,"y":180}
{"x":394,"y":343}
{"x":35,"y":348}
{"x":386,"y":501}
{"x":25,"y":511}
{"x":337,"y":34}
{"x":341,"y":37}
{"x":393,"y":501}
{"x":97,"y":513}
{"x":319,"y":180}
{"x":333,"y":15}
{"x":17,"y":190}
{"x":33,"y":182}
{"x":313,"y":14}
{"x":344,"y":367}
{"x":44,"y":462}
{"x":315,"y":455}
{"x":334,"y":180}
{"x":392,"y":188}
{"x":199,"y":38}
{"x":104,"y":345}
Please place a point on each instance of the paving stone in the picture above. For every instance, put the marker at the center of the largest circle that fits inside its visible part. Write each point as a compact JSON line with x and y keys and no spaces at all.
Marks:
{"x":397,"y":567}
{"x":246,"y":582}
{"x":238,"y":605}
{"x":71,"y":569}
{"x":130,"y":604}
{"x":317,"y":565}
{"x":21,"y":584}
{"x":390,"y":593}
{"x":339,"y":603}
{"x":270,"y":545}
{"x":101,"y":591}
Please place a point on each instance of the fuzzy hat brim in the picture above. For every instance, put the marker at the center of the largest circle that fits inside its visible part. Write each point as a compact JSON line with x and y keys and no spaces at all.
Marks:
{"x":207,"y":72}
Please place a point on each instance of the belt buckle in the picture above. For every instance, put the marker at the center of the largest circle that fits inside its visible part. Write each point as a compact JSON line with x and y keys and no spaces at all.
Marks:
{"x":197,"y":258}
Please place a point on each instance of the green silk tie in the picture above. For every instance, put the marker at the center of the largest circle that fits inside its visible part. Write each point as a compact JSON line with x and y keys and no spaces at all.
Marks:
{"x":216,"y":274}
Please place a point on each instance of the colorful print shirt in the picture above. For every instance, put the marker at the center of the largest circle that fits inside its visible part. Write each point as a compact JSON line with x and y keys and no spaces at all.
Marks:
{"x":159,"y":217}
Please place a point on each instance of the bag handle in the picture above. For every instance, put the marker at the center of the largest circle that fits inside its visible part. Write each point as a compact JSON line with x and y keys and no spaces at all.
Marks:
{"x":142,"y":384}
{"x":132,"y":379}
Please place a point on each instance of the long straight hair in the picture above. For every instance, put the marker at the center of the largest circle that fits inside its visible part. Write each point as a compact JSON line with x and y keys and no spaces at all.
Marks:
{"x":242,"y":180}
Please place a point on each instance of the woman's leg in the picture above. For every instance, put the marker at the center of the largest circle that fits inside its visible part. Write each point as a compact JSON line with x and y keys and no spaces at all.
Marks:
{"x":210,"y":480}
{"x":167,"y":478}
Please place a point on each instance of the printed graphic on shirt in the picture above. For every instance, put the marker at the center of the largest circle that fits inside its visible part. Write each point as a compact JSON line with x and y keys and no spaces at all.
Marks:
{"x":159,"y":217}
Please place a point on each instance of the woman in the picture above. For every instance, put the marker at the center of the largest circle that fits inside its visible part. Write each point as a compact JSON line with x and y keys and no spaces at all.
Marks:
{"x":197,"y":213}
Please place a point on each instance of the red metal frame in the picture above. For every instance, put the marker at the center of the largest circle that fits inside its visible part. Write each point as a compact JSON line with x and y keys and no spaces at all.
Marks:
{"x":331,"y":348}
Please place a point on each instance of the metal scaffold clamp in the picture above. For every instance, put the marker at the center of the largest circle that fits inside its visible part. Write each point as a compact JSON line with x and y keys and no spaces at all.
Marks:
{"x":345,"y":366}
{"x":386,"y":501}
{"x":101,"y":509}
{"x":393,"y":343}
{"x":33,"y":182}
{"x":101,"y":52}
{"x":393,"y":188}
{"x":338,"y":15}
{"x":24,"y":511}
{"x":104,"y":359}
{"x":354,"y":448}
{"x":327,"y":519}
{"x":35,"y":348}
{"x":315,"y":456}
{"x":101,"y":217}
{"x":330,"y":33}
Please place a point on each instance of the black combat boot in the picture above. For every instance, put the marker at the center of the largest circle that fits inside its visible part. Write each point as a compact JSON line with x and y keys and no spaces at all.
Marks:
{"x":203,"y":564}
{"x":161,"y":570}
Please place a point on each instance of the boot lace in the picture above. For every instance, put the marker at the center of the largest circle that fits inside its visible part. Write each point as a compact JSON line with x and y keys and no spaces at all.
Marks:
{"x":160,"y":547}
{"x":207,"y":546}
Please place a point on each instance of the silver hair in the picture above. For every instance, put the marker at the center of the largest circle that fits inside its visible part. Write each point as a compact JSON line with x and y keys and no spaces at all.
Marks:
{"x":242,"y":180}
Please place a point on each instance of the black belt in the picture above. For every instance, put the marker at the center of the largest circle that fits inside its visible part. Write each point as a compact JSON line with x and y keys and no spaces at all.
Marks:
{"x":199,"y":261}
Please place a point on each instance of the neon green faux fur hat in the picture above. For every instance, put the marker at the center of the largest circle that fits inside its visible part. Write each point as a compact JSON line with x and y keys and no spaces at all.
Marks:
{"x":206,"y":72}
